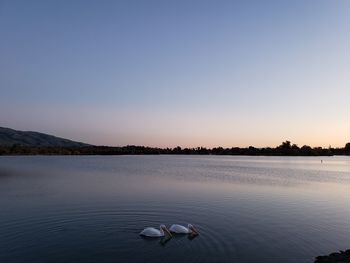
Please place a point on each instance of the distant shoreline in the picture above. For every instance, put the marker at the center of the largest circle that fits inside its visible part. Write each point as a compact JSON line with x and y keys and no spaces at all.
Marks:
{"x":165,"y":154}
{"x":340,"y":257}
{"x":15,"y":142}
{"x":285,"y":149}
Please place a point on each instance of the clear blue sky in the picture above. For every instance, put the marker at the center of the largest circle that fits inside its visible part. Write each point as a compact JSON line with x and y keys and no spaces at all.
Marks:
{"x":167,"y":73}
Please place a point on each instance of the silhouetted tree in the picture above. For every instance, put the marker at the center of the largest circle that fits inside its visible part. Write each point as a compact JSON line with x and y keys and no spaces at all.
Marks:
{"x":347,"y":148}
{"x":286,"y":145}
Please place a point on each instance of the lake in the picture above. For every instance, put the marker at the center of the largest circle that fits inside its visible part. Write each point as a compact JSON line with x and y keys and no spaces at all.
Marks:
{"x":247,"y":209}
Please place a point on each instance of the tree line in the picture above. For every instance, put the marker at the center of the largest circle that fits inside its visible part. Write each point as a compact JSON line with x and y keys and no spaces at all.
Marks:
{"x":285,"y":149}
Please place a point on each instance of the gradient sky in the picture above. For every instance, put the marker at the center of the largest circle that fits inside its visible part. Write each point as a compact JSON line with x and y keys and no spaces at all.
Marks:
{"x":167,"y":73}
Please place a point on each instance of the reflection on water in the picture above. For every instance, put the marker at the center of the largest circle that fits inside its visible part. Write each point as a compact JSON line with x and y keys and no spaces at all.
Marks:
{"x":247,"y":209}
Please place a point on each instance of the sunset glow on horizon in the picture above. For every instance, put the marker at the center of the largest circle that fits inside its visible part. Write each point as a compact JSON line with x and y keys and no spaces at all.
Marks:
{"x":179,"y":73}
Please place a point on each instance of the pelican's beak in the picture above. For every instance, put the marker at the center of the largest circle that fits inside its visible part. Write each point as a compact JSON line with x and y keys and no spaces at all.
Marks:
{"x":166,"y":230}
{"x":195,"y":230}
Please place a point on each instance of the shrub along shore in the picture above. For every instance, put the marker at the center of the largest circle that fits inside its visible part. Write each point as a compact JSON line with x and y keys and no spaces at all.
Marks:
{"x":285,"y":149}
{"x":336,"y":257}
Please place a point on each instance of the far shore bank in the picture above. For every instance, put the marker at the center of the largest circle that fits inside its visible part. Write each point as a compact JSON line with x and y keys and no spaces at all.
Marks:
{"x":336,"y":257}
{"x":285,"y":149}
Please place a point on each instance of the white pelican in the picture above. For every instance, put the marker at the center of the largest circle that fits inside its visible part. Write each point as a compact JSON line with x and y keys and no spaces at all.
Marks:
{"x":179,"y":229}
{"x":154,"y":232}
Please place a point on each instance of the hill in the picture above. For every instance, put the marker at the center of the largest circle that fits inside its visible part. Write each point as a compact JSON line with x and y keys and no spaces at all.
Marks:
{"x":10,"y":137}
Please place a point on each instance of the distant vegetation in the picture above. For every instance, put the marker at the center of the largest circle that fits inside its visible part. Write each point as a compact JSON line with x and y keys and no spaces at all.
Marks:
{"x":285,"y":149}
{"x":13,"y":142}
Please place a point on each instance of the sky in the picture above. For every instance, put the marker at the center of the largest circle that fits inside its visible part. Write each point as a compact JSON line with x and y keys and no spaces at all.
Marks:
{"x":167,"y":73}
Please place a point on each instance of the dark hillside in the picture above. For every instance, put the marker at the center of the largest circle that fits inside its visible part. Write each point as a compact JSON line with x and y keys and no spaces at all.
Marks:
{"x":10,"y":137}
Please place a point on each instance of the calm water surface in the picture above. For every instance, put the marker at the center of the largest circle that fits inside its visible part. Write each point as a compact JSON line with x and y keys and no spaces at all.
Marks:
{"x":247,"y":209}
